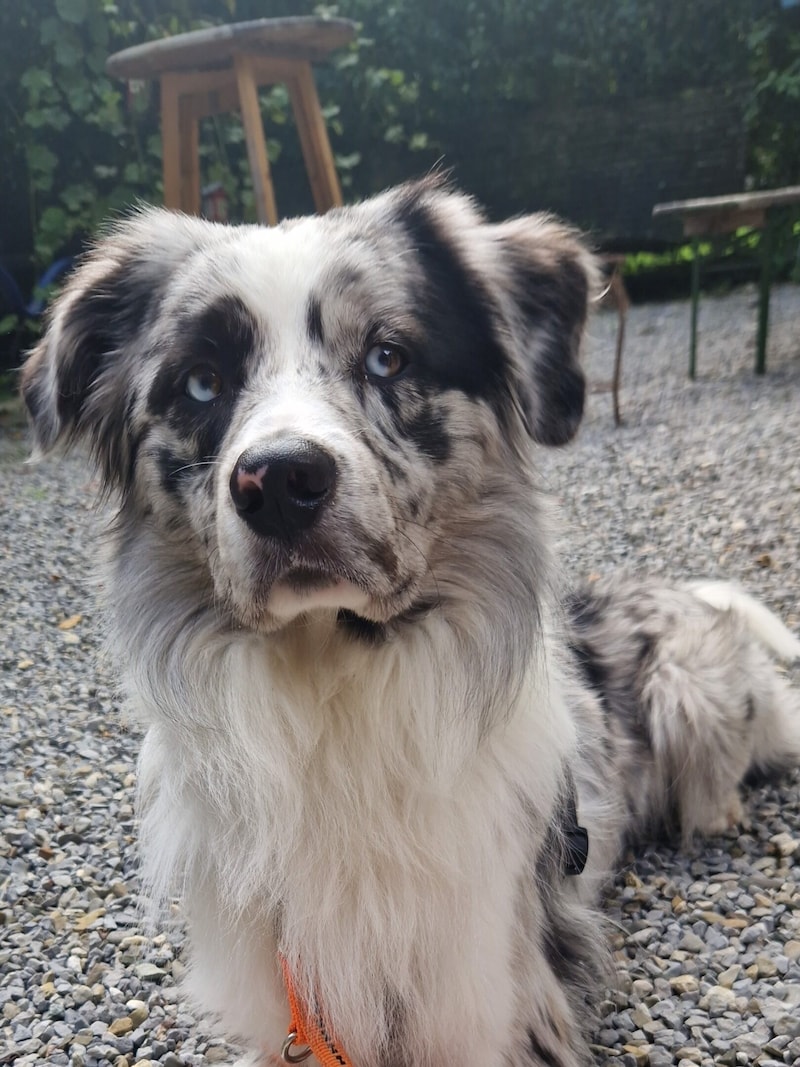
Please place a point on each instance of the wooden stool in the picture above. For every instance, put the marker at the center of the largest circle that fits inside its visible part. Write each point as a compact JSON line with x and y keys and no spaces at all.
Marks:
{"x":217,"y":70}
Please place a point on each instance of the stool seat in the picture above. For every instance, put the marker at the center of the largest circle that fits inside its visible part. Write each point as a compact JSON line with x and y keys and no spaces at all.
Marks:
{"x":214,"y":48}
{"x":216,"y":70}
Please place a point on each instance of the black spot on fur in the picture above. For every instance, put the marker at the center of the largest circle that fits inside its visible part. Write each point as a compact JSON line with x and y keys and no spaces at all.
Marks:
{"x":585,"y":609}
{"x":541,"y":1054}
{"x":560,"y":391}
{"x":557,"y":297}
{"x":173,"y":470}
{"x":646,"y":650}
{"x":95,"y":327}
{"x":223,"y":340}
{"x":750,"y":709}
{"x":418,"y":611}
{"x":567,"y":953}
{"x":428,"y":431}
{"x":592,"y":668}
{"x":98,"y":325}
{"x":617,"y":686}
{"x":381,"y":554}
{"x":378,"y":448}
{"x":460,"y":349}
{"x":554,"y":303}
{"x":373,"y":633}
{"x":314,"y":321}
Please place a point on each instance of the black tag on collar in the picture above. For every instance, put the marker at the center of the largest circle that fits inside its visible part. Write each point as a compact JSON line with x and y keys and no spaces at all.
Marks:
{"x":576,"y":838}
{"x":576,"y":849}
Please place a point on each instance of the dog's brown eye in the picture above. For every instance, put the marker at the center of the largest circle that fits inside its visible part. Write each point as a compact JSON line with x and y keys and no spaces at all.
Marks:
{"x":203,"y":385}
{"x":384,"y":361}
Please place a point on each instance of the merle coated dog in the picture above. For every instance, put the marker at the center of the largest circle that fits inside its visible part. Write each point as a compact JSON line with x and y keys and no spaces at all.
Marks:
{"x":386,"y":754}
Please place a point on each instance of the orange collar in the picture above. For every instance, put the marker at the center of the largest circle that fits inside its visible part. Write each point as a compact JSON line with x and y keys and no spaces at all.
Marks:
{"x":308,"y":1029}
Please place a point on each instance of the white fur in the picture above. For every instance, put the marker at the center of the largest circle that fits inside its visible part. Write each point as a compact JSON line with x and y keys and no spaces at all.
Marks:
{"x":761,"y":622}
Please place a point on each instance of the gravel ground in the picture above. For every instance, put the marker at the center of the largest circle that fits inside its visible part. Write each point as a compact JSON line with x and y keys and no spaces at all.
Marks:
{"x":703,"y":480}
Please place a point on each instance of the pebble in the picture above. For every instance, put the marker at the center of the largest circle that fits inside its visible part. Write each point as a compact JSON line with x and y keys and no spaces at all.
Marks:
{"x":701,"y":481}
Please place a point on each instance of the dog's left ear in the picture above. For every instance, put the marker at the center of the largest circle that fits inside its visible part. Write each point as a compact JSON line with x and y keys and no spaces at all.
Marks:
{"x":74,"y":381}
{"x":547,"y":277}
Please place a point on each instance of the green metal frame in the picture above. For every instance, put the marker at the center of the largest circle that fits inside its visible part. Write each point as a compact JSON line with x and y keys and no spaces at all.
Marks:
{"x":766,"y":249}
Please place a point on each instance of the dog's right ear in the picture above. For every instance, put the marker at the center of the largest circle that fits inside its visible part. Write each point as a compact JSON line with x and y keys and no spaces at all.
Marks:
{"x":73,"y":381}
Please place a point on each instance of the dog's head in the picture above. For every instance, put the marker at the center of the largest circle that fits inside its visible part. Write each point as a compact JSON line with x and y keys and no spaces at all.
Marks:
{"x":308,"y":410}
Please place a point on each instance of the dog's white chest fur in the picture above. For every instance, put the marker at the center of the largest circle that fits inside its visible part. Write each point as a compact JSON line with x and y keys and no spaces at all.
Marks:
{"x":342,"y":810}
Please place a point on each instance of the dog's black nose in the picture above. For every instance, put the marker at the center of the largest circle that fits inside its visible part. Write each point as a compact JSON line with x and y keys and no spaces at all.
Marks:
{"x":280,"y":491}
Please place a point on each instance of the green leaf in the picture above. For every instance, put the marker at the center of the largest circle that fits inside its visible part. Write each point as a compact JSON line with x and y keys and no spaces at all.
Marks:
{"x":74,"y":11}
{"x":53,"y":217}
{"x":35,"y":79}
{"x":80,"y":98}
{"x":102,"y":171}
{"x":75,"y":197}
{"x":50,"y":31}
{"x":41,"y":159}
{"x":348,"y":162}
{"x":52,"y":118}
{"x":68,"y":54}
{"x":134,"y":173}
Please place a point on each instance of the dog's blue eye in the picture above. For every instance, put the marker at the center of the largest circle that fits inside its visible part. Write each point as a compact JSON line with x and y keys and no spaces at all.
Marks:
{"x":203,"y":385}
{"x":384,"y":361}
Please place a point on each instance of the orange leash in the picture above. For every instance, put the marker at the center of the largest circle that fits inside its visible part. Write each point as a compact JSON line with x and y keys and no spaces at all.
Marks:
{"x":308,"y":1032}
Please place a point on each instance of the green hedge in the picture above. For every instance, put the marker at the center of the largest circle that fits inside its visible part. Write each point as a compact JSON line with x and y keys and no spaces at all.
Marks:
{"x":79,"y":146}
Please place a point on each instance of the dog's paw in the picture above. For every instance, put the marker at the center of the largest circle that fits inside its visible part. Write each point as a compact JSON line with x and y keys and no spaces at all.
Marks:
{"x":728,"y":818}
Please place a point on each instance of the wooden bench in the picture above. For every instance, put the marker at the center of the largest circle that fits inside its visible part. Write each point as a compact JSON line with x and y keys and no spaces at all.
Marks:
{"x":712,"y":216}
{"x":220,"y":69}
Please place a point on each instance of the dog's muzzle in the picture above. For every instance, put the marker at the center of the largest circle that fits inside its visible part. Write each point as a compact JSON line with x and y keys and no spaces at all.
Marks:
{"x":280,"y":490}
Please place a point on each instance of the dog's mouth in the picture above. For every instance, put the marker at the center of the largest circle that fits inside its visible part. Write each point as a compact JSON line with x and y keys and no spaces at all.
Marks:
{"x":306,"y":579}
{"x":270,"y":583}
{"x":304,"y":588}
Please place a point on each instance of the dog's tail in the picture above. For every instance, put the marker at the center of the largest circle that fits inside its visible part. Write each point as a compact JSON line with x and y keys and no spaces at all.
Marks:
{"x":762,"y":624}
{"x":774,"y":742}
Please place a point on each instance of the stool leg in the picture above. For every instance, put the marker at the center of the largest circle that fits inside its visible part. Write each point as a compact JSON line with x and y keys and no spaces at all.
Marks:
{"x":314,"y":140}
{"x":171,"y":141}
{"x":256,"y":144}
{"x":190,"y":158}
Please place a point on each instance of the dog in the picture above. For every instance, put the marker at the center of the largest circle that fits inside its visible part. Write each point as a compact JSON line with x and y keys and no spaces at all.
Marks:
{"x":389,"y":761}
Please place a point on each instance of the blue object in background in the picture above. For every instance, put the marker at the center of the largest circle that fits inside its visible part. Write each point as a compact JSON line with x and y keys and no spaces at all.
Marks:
{"x":11,"y":297}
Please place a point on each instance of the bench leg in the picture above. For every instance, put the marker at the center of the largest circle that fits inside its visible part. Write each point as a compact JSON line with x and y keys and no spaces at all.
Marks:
{"x":256,"y":144}
{"x":695,"y":301}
